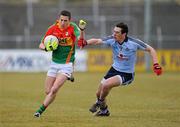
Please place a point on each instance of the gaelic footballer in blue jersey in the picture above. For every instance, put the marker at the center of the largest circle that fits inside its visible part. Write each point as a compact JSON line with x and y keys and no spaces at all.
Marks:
{"x":121,"y":72}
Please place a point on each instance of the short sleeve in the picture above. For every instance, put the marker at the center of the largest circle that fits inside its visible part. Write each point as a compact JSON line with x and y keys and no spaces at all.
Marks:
{"x":141,"y":45}
{"x":108,"y":40}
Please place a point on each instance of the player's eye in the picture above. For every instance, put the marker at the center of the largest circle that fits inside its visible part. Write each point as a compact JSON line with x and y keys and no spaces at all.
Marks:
{"x":63,"y":20}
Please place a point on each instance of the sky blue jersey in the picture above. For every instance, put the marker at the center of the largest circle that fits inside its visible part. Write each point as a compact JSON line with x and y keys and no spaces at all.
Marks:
{"x":124,"y":55}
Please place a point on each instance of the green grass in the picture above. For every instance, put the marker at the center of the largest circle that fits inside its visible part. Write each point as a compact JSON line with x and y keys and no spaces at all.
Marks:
{"x":150,"y":101}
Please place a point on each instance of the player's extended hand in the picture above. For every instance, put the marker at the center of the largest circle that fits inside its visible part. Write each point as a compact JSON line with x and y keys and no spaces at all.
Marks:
{"x":157,"y":69}
{"x":82,"y":24}
{"x":82,"y":43}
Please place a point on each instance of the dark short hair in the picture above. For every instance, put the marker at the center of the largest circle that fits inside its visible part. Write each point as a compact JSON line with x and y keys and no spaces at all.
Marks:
{"x":65,"y":13}
{"x":123,"y":26}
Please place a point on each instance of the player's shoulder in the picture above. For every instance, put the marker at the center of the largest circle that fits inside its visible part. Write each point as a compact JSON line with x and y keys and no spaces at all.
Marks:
{"x":73,"y":24}
{"x":53,"y":26}
{"x":108,"y":40}
{"x":136,"y":41}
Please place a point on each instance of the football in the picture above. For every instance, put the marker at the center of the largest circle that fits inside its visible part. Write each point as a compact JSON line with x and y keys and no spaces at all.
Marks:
{"x":51,"y":42}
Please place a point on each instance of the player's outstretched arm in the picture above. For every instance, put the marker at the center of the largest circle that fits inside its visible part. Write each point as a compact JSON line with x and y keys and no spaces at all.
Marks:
{"x":156,"y":67}
{"x":94,"y":41}
{"x":82,"y":42}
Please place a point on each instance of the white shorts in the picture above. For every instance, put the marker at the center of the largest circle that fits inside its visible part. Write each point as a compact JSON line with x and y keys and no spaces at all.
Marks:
{"x":55,"y":68}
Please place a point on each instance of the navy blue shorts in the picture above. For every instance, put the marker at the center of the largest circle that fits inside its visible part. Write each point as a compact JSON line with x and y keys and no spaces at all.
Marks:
{"x":127,"y":78}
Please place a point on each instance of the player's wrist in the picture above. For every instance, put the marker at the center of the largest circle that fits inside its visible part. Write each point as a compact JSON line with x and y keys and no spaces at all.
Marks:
{"x":82,"y":29}
{"x":155,"y":64}
{"x":85,"y":42}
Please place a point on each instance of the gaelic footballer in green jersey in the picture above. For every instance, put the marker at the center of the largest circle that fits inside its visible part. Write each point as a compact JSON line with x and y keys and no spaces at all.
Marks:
{"x":61,"y":67}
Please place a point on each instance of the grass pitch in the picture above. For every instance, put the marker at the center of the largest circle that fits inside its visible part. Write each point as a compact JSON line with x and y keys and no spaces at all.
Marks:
{"x":150,"y":101}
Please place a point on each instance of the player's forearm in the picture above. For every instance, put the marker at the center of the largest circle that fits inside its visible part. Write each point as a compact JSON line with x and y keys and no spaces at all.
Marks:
{"x":94,"y":41}
{"x":82,"y":26}
{"x":153,"y":54}
{"x":82,"y":34}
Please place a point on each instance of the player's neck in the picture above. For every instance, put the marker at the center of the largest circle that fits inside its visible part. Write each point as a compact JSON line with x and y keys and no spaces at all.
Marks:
{"x":124,"y":39}
{"x":63,"y":28}
{"x":121,"y":40}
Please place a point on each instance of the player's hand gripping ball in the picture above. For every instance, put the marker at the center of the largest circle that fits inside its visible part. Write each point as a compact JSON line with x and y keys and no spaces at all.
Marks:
{"x":51,"y":42}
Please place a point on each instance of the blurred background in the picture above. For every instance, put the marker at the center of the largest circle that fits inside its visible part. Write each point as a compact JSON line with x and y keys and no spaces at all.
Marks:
{"x":150,"y":101}
{"x":24,"y":22}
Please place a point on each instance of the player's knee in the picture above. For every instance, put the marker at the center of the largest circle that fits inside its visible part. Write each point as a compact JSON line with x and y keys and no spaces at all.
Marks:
{"x":98,"y":94}
{"x":47,"y":91}
{"x":103,"y":81}
{"x":53,"y":91}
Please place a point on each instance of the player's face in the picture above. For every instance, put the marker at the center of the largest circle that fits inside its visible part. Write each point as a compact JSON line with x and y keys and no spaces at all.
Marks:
{"x":64,"y":21}
{"x":118,"y":36}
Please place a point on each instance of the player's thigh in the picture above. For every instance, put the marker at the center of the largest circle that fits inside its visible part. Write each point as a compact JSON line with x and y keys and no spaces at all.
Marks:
{"x":49,"y":83}
{"x":112,"y":82}
{"x":60,"y":80}
{"x":66,"y":69}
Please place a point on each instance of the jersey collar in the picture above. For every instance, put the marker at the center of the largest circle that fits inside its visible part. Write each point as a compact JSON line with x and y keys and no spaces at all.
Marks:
{"x":125,"y":40}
